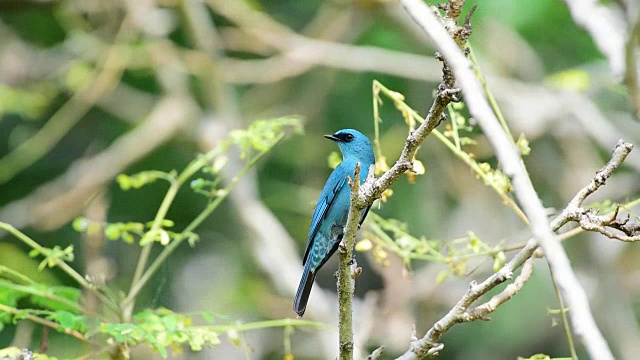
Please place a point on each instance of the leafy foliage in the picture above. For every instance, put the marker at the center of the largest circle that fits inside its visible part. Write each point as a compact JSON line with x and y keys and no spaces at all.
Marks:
{"x":162,"y":329}
{"x":53,"y":256}
{"x":389,"y":235}
{"x":143,"y":178}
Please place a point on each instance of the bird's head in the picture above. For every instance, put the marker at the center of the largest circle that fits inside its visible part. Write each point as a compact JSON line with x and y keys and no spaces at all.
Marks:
{"x":353,"y":143}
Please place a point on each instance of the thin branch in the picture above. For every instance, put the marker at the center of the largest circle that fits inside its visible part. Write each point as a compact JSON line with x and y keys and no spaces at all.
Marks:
{"x":45,"y":322}
{"x":346,"y":271}
{"x":59,"y":263}
{"x":591,"y":221}
{"x":565,"y":321}
{"x":619,"y":154}
{"x":481,"y":311}
{"x":195,"y":223}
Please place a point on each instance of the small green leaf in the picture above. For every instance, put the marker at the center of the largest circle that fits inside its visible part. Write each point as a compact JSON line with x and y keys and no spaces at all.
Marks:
{"x":78,"y":75}
{"x":112,"y":231}
{"x":127,"y":237}
{"x":218,"y":163}
{"x":141,"y":179}
{"x":192,"y":238}
{"x":442,"y":276}
{"x":523,"y":145}
{"x":80,"y":224}
{"x":232,"y":334}
{"x":498,"y":260}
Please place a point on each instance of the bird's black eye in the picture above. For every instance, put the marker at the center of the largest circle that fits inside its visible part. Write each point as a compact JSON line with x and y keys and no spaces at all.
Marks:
{"x":349,"y":137}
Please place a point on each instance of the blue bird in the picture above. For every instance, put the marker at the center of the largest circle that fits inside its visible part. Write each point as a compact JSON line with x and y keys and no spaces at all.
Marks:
{"x":330,"y":214}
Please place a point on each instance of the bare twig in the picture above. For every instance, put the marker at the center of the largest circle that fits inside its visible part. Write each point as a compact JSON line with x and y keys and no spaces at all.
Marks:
{"x":582,"y":319}
{"x":481,"y":311}
{"x":590,"y":220}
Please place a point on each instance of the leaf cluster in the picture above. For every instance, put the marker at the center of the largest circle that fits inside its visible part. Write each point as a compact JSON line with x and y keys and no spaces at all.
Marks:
{"x":62,"y":307}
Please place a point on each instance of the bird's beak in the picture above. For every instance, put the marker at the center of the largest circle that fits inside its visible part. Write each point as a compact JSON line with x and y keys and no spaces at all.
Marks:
{"x":332,"y":137}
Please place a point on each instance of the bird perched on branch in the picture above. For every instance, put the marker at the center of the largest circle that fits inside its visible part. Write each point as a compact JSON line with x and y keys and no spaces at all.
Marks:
{"x":330,"y":214}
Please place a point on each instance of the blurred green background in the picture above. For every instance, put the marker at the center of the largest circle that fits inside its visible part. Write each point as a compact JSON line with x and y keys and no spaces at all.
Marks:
{"x":109,"y":87}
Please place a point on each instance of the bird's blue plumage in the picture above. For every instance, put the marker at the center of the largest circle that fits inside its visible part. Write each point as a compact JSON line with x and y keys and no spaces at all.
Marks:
{"x":330,"y":214}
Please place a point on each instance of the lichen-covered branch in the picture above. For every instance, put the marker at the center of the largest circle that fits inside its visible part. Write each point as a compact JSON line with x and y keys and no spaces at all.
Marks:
{"x":346,"y":282}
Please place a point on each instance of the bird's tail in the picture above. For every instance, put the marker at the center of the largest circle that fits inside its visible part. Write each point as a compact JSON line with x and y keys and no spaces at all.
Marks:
{"x":304,"y":289}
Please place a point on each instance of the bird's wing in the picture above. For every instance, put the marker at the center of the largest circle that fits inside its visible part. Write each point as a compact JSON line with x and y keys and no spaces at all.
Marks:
{"x":336,"y":181}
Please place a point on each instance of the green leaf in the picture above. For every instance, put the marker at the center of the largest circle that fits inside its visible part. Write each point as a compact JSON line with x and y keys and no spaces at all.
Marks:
{"x":233,"y":335}
{"x":80,"y":224}
{"x":141,"y":179}
{"x":29,"y":102}
{"x":78,"y":75}
{"x":44,"y":293}
{"x":218,"y":163}
{"x":498,"y":260}
{"x":442,"y":276}
{"x":263,"y":134}
{"x":112,"y":231}
{"x":536,"y":357}
{"x":70,"y":321}
{"x":523,"y":145}
{"x":192,"y":238}
{"x":84,"y":225}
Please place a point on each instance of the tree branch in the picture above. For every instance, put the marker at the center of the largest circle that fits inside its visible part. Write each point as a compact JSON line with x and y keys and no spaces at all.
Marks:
{"x":582,"y":319}
{"x":428,"y":345}
{"x":589,"y":219}
{"x":481,"y":311}
{"x":364,"y":195}
{"x":347,"y":271}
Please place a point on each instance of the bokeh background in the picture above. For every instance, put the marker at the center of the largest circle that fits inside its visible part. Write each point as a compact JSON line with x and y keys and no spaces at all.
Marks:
{"x":90,"y":89}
